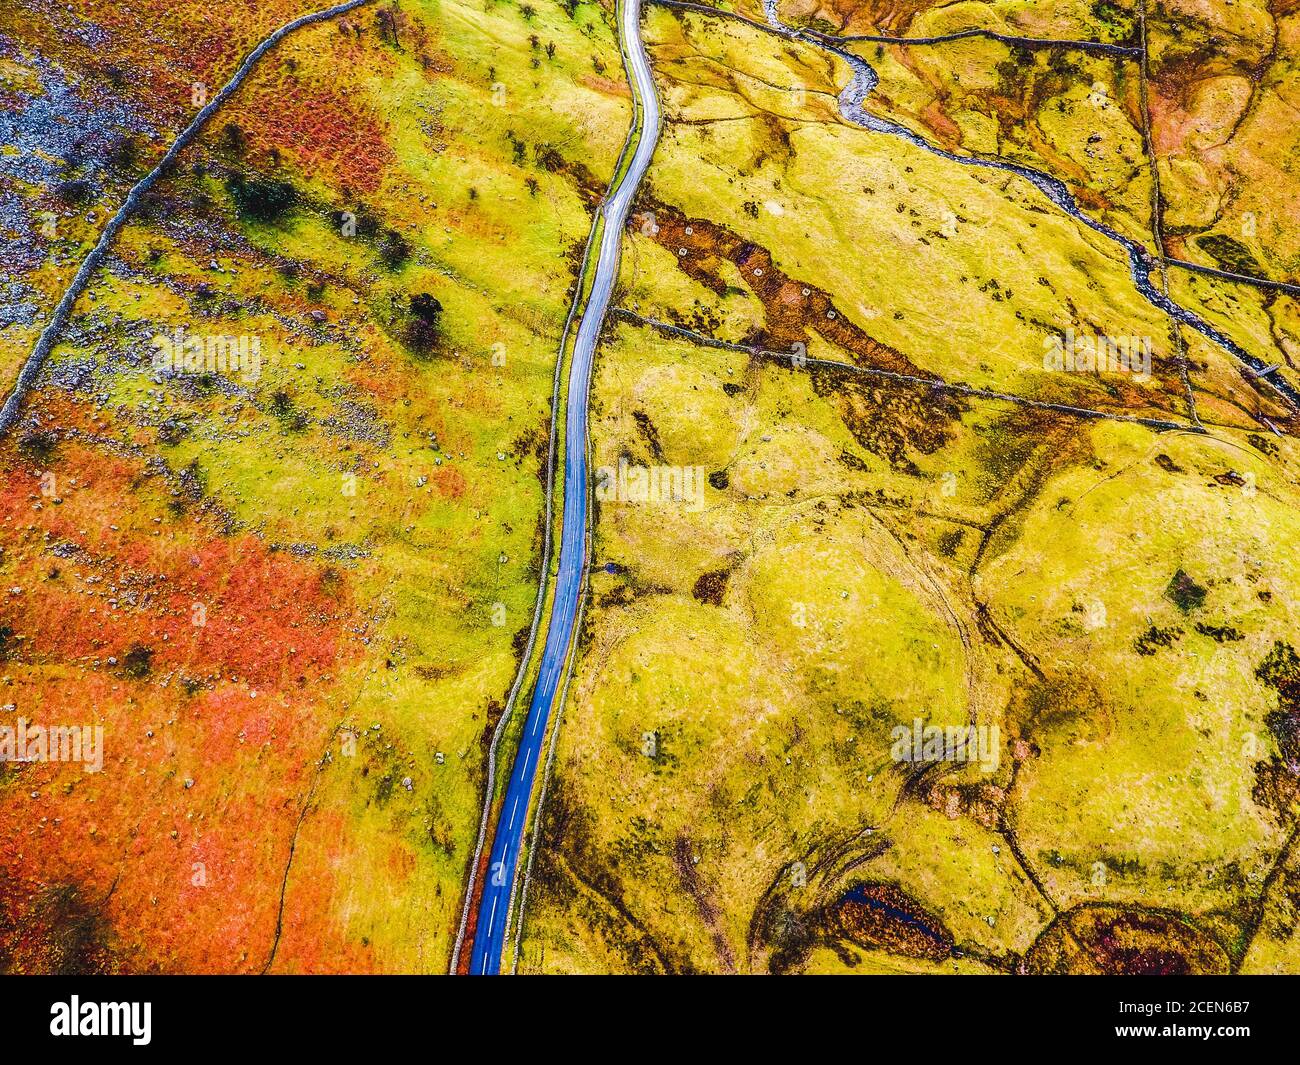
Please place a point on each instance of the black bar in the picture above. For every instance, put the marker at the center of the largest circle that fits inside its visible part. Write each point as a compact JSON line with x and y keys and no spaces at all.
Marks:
{"x":443,"y":1016}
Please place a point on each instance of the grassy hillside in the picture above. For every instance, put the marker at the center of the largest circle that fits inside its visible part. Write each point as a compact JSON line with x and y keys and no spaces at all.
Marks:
{"x":295,"y":596}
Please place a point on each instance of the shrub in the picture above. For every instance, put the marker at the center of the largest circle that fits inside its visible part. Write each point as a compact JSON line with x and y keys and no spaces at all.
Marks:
{"x":73,"y":192}
{"x":261,"y":200}
{"x":426,"y":315}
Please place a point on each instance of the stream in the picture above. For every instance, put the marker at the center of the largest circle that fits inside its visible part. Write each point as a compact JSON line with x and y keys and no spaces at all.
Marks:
{"x":852,"y":100}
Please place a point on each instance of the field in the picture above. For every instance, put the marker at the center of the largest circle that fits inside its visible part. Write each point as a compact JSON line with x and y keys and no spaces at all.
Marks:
{"x":941,"y":606}
{"x":1117,"y":601}
{"x":294,"y":596}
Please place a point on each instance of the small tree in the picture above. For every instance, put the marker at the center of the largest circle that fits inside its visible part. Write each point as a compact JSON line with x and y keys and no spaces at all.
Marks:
{"x":426,"y":322}
{"x":394,"y":249}
{"x":124,"y":155}
{"x":233,"y":140}
{"x":262,"y":201}
{"x":74,"y":192}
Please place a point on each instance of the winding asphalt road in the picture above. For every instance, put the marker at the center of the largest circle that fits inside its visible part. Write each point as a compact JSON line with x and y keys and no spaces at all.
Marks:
{"x":494,"y":904}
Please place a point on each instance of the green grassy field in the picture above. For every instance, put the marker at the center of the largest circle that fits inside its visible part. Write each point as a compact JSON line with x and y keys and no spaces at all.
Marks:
{"x":296,"y":596}
{"x":871,"y":553}
{"x":441,"y":151}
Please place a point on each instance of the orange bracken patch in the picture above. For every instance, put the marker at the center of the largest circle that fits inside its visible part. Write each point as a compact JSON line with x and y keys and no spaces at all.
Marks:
{"x":210,"y":662}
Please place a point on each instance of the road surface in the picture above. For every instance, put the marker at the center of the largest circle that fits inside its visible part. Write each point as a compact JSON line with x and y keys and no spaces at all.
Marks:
{"x":489,"y":936}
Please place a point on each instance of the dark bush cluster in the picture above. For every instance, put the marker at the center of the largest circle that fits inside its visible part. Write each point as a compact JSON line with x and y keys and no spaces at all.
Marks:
{"x":426,"y":322}
{"x":260,"y":200}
